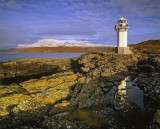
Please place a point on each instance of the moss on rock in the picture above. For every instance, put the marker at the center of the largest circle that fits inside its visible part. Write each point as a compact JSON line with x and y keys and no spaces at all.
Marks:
{"x":34,"y":94}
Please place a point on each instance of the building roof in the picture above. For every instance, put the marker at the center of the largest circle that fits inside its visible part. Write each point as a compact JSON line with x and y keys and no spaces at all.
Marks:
{"x":122,"y":18}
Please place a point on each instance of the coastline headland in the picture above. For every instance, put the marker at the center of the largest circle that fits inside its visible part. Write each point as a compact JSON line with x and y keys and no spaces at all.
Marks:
{"x":68,"y":93}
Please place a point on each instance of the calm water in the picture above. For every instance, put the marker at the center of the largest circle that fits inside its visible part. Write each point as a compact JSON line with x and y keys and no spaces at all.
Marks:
{"x":6,"y":56}
{"x":126,"y":91}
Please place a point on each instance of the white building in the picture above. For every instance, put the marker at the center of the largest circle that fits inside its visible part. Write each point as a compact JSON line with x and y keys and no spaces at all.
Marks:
{"x":122,"y":36}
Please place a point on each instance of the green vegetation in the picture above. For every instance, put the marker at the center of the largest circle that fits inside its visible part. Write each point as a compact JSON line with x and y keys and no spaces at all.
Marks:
{"x":87,"y":117}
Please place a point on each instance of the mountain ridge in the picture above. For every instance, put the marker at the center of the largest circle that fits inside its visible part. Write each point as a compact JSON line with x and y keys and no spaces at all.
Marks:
{"x":59,"y":43}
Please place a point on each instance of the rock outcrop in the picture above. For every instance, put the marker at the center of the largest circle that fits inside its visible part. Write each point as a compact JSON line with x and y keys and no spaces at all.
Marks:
{"x":31,"y":100}
{"x":25,"y":69}
{"x":45,"y":93}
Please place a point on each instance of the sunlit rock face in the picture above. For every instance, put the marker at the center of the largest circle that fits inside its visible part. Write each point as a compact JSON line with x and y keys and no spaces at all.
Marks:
{"x":33,"y":97}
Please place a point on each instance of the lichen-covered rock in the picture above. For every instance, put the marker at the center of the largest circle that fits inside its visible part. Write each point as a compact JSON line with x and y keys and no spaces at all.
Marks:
{"x":51,"y":91}
{"x":36,"y":94}
{"x":60,"y":107}
{"x":82,"y":79}
{"x":33,"y":66}
{"x":8,"y":103}
{"x":30,"y":110}
{"x":104,"y":65}
{"x":11,"y":89}
{"x":59,"y":81}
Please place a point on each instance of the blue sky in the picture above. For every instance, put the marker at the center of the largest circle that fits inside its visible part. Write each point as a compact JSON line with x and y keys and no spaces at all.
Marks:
{"x":27,"y":21}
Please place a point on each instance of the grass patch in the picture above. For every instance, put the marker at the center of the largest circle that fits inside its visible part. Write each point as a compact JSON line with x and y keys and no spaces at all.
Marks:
{"x":87,"y":117}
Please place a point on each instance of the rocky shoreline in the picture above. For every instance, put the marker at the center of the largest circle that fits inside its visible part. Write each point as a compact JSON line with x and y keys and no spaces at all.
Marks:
{"x":67,"y":93}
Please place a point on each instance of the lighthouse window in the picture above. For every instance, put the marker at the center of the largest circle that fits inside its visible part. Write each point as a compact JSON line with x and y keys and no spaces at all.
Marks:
{"x":127,"y":25}
{"x":120,"y":21}
{"x":120,"y":25}
{"x":115,"y":27}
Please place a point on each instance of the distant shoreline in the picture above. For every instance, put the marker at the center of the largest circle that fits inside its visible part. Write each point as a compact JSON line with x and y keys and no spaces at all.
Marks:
{"x":58,"y":49}
{"x":7,"y":56}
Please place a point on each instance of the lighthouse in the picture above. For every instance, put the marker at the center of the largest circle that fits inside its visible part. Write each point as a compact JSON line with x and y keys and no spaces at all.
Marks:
{"x":122,"y":36}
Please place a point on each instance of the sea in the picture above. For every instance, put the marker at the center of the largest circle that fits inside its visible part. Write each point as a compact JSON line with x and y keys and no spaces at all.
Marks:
{"x":6,"y":56}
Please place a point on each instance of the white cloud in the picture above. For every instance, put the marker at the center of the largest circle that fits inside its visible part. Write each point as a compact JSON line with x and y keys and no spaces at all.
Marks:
{"x":75,"y":19}
{"x":136,"y":8}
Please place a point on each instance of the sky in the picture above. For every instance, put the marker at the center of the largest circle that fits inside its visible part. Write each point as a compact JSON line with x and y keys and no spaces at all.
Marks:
{"x":28,"y":21}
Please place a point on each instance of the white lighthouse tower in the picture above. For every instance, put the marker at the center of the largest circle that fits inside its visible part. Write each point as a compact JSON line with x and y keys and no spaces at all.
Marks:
{"x":122,"y":34}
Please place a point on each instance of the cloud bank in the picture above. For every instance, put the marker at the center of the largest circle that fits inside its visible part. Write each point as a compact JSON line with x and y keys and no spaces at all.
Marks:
{"x":26,"y":22}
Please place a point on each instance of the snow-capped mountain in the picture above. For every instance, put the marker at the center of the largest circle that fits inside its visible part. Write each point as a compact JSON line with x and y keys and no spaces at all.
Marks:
{"x":58,"y":43}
